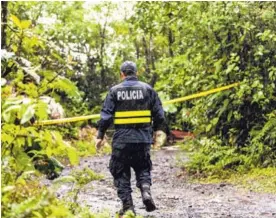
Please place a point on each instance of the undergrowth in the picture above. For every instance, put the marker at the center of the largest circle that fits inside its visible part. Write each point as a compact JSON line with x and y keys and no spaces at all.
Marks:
{"x":257,"y":180}
{"x":212,"y":163}
{"x":128,"y":214}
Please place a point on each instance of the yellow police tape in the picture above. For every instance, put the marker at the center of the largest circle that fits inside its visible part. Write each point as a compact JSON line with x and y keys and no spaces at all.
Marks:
{"x":97,"y":116}
{"x":201,"y":94}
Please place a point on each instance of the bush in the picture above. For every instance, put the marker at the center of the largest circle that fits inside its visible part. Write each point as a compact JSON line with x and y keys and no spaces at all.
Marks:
{"x":224,"y":43}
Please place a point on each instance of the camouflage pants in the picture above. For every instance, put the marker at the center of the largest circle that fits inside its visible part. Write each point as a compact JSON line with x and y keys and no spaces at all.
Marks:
{"x":136,"y":156}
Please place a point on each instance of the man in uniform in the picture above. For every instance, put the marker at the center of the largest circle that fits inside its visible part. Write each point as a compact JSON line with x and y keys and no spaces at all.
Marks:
{"x":136,"y":111}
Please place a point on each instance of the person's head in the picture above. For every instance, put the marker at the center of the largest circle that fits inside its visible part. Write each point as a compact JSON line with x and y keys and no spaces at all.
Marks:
{"x":128,"y":68}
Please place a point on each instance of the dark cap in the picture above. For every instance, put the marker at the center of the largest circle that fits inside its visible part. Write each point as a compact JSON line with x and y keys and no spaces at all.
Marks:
{"x":128,"y":67}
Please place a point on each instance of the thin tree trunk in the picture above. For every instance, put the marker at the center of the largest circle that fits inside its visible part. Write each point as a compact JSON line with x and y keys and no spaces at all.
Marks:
{"x":147,"y":55}
{"x":4,"y":14}
{"x":102,"y":33}
{"x":170,"y":37}
{"x":137,"y":49}
{"x":154,"y":76}
{"x":171,"y":41}
{"x":102,"y":49}
{"x":152,"y":53}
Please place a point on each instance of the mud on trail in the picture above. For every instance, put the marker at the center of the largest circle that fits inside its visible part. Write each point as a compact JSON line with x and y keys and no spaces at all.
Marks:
{"x":174,"y":196}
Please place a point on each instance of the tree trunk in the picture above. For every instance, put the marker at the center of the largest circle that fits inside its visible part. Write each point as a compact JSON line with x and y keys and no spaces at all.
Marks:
{"x":102,"y":46}
{"x":4,"y":14}
{"x":171,"y":41}
{"x":170,"y":37}
{"x":152,"y":53}
{"x":137,"y":49}
{"x":147,"y":55}
{"x":152,"y":60}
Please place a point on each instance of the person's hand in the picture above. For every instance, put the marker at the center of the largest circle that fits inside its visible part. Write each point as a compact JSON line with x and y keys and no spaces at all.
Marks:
{"x":99,"y":144}
{"x":159,"y":139}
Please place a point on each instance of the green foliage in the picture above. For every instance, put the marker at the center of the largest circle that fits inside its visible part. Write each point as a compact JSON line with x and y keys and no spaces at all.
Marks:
{"x":21,"y":196}
{"x":30,"y":75}
{"x":210,"y":159}
{"x":40,"y":203}
{"x":79,"y":179}
{"x":85,"y":148}
{"x":211,"y":45}
{"x":80,"y":35}
{"x":257,"y":179}
{"x":85,"y":176}
{"x":71,"y":52}
{"x":263,"y":137}
{"x":215,"y":161}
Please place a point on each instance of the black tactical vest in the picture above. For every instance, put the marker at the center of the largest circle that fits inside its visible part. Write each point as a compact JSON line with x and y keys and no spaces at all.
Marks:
{"x":133,"y":105}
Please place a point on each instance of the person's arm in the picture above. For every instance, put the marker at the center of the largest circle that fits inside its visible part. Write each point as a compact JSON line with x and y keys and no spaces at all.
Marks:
{"x":158,"y":115}
{"x":160,"y":127}
{"x":107,"y":113}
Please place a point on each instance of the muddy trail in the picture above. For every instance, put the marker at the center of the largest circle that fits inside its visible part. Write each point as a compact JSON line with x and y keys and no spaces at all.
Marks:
{"x":174,"y":196}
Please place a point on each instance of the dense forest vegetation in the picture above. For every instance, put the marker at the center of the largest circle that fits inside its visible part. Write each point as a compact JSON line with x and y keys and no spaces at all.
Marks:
{"x":70,"y":53}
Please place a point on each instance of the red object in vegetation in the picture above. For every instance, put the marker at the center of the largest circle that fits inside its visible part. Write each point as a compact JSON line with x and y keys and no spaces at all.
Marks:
{"x":178,"y":135}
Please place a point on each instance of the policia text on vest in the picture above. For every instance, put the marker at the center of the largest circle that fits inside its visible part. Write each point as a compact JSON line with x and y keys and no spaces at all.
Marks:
{"x":130,"y":95}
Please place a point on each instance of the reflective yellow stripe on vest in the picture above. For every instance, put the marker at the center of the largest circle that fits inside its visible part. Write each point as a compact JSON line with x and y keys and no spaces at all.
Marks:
{"x":132,"y":120}
{"x":145,"y":113}
{"x":132,"y":117}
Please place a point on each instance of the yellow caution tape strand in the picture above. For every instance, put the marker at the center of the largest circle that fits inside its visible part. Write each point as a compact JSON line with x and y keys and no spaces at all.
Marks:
{"x":67,"y":120}
{"x":98,"y":116}
{"x":201,"y":94}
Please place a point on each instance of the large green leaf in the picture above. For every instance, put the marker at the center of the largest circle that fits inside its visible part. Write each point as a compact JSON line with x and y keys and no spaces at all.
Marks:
{"x":28,"y":114}
{"x":7,"y":114}
{"x":25,"y":24}
{"x":16,"y":21}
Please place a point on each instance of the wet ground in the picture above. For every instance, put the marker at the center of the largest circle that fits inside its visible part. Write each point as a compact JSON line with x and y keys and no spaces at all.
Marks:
{"x":174,"y":196}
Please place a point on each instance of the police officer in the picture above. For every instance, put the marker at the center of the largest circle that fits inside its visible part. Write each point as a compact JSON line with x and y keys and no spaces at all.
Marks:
{"x":136,"y":111}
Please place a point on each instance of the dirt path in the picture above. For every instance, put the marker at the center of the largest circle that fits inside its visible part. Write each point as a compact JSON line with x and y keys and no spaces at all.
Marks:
{"x":174,"y":196}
